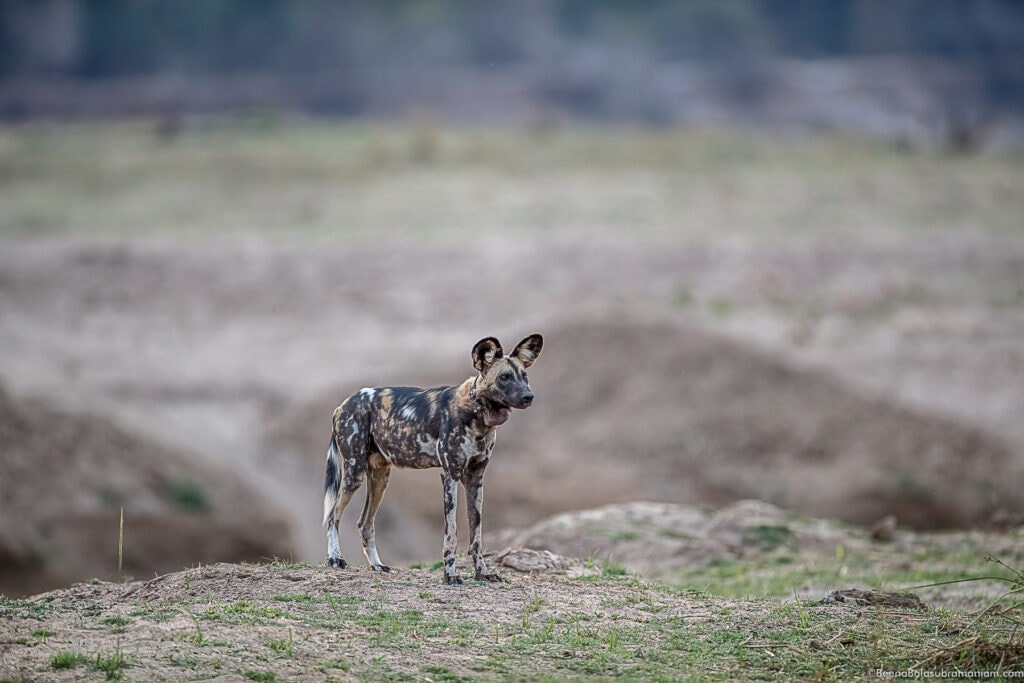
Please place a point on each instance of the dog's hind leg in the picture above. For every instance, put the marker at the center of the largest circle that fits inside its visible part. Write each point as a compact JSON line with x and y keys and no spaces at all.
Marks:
{"x":380,"y":472}
{"x":342,"y":481}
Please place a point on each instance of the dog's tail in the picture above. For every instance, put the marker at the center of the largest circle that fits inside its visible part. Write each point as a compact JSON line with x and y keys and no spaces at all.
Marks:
{"x":332,"y":481}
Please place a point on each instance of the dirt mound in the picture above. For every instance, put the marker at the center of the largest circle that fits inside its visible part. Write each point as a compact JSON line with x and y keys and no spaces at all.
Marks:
{"x":655,"y":538}
{"x":752,"y":547}
{"x":295,"y":622}
{"x":688,"y":416}
{"x":629,"y":410}
{"x":64,"y":479}
{"x":302,"y":623}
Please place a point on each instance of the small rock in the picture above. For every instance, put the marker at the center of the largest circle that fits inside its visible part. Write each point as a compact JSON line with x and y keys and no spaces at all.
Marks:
{"x":529,"y":560}
{"x":1004,"y":520}
{"x":884,"y":529}
{"x":880,"y":598}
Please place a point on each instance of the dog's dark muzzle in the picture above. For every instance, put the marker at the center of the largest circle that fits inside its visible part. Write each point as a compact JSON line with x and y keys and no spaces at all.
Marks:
{"x":526,"y":400}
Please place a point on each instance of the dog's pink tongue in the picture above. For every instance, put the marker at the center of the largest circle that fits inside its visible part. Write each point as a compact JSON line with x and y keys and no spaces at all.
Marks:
{"x":493,"y":418}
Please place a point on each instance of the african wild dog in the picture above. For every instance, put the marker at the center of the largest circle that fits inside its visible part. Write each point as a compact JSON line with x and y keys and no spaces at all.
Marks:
{"x":448,"y":427}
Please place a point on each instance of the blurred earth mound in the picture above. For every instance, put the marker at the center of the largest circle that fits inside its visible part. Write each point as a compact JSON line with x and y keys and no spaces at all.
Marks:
{"x":65,"y":478}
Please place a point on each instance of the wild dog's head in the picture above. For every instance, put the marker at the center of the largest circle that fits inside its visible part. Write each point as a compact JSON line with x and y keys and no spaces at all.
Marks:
{"x":502,"y":384}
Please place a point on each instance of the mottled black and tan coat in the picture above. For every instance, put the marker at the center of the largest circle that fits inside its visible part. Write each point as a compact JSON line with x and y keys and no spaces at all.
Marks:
{"x":450,"y":427}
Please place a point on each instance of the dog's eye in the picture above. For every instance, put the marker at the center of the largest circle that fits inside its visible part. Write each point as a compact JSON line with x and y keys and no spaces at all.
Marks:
{"x":505,"y":376}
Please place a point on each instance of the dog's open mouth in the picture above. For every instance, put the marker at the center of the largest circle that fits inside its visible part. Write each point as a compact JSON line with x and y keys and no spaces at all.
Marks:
{"x":494,"y":413}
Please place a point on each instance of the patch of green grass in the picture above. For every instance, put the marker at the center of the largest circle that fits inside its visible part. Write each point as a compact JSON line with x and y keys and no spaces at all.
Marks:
{"x":613,"y":569}
{"x":769,"y":536}
{"x":437,"y":565}
{"x":398,"y":629}
{"x":110,"y":497}
{"x":197,"y":637}
{"x":343,"y":610}
{"x":781,"y":573}
{"x":279,"y":564}
{"x":112,"y":666}
{"x":23,"y":609}
{"x":443,"y":673}
{"x":42,"y":634}
{"x":156,"y":612}
{"x":721,"y":307}
{"x":261,"y":676}
{"x":682,"y":297}
{"x":245,"y":612}
{"x":68,"y":660}
{"x":185,"y":661}
{"x":678,"y":535}
{"x":188,"y":496}
{"x":746,"y":639}
{"x":284,"y":647}
{"x":300,"y":598}
{"x":534,"y":604}
{"x":117,"y":623}
{"x":336,"y":663}
{"x":531,"y":607}
{"x":389,"y":628}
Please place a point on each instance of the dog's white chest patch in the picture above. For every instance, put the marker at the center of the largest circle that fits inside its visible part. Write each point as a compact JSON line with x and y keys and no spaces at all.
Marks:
{"x":474,"y":449}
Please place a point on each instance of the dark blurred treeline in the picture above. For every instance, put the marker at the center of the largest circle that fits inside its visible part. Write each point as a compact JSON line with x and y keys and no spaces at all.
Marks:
{"x":98,"y":38}
{"x":350,"y":43}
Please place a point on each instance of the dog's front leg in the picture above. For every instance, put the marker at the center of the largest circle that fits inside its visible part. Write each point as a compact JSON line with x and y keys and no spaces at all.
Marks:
{"x":451,"y":498}
{"x":474,"y":510}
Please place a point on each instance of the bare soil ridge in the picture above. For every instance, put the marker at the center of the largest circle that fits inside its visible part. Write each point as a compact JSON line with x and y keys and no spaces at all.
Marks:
{"x":566,"y":617}
{"x":64,"y":479}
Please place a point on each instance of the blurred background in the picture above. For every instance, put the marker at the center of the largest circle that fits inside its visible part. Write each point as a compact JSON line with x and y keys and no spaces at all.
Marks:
{"x":775,"y":248}
{"x":912,"y":71}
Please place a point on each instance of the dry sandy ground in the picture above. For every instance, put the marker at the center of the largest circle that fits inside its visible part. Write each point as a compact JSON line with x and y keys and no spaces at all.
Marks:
{"x":231,"y":622}
{"x":848,"y":378}
{"x":283,"y":621}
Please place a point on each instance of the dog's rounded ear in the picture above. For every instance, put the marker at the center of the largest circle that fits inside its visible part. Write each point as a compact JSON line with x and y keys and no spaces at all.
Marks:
{"x":528,"y":349}
{"x":485,"y":352}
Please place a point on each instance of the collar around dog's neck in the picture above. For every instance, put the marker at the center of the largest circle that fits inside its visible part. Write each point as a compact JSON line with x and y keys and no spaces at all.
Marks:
{"x":477,"y":404}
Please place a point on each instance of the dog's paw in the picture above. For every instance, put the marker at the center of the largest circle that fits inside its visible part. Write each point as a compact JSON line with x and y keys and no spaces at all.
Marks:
{"x":493,"y":578}
{"x":453,"y":580}
{"x":336,"y":562}
{"x":380,"y":568}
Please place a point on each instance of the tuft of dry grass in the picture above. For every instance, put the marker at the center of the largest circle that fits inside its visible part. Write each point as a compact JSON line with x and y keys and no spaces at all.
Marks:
{"x":975,"y":654}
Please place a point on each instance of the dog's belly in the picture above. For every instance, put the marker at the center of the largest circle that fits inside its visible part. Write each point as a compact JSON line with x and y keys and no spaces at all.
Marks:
{"x":418,"y":451}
